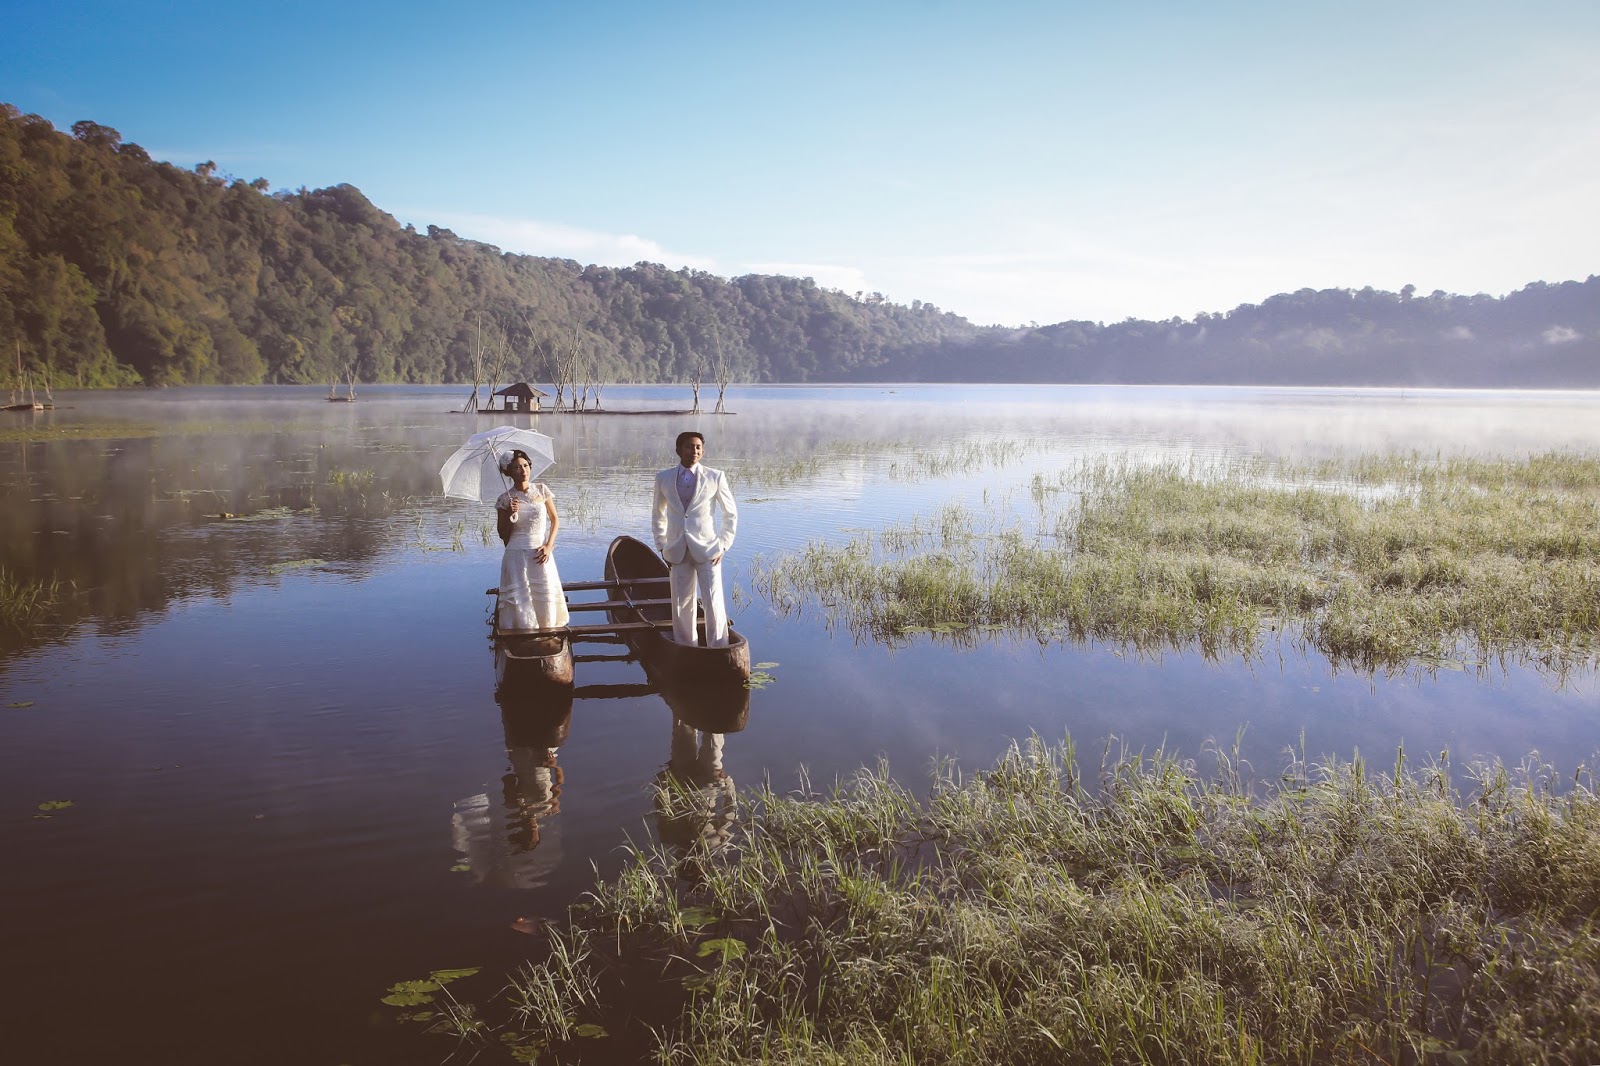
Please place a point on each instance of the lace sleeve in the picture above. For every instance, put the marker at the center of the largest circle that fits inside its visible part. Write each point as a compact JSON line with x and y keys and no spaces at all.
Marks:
{"x":543,"y":492}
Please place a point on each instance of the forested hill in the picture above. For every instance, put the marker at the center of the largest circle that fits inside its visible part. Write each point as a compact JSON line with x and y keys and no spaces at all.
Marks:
{"x":115,"y":269}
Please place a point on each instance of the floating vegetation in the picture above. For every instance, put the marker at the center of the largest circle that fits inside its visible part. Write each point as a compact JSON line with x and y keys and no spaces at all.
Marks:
{"x":350,"y":479}
{"x":295,"y":564}
{"x":266,"y":514}
{"x":1145,"y":914}
{"x":761,"y":676}
{"x":55,"y":805}
{"x":1376,"y":562}
{"x":963,"y":457}
{"x":27,"y":604}
{"x":913,"y":462}
{"x":19,"y":704}
{"x":131,"y":430}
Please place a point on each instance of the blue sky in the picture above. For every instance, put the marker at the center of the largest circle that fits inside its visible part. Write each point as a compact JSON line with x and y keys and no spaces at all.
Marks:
{"x":1012,"y":162}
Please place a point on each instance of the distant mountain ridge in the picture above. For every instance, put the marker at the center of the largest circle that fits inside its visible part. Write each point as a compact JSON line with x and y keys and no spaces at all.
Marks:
{"x":116,"y":269}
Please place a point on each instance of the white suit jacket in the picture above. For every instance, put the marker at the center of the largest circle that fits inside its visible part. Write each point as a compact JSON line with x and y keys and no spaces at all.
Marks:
{"x":694,"y":532}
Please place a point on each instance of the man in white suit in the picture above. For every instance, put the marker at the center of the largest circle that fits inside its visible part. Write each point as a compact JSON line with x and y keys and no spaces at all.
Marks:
{"x":692,"y":538}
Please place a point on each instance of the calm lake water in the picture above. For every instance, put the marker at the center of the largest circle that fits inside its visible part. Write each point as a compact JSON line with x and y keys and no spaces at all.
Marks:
{"x":291,"y":786}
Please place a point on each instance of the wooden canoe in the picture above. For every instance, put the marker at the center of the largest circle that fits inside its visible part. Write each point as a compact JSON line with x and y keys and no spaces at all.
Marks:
{"x":636,"y":573}
{"x":528,"y":661}
{"x":525,"y":662}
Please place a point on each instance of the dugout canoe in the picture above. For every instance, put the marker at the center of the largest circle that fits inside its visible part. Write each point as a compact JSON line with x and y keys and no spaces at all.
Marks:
{"x":528,"y":661}
{"x":635,"y":573}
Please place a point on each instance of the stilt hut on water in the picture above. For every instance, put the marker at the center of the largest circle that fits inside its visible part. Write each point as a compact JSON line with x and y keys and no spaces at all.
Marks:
{"x":521,"y":398}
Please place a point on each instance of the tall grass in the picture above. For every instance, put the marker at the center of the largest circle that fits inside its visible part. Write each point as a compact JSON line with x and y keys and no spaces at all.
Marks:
{"x":27,"y":604}
{"x":1377,"y":562}
{"x":1147,"y":913}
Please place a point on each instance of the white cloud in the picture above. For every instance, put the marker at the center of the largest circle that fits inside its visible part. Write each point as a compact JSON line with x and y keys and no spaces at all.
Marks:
{"x":532,"y":237}
{"x":1561,"y":335}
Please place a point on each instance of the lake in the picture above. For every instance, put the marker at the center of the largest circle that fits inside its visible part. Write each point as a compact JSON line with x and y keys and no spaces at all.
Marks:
{"x":291,"y":786}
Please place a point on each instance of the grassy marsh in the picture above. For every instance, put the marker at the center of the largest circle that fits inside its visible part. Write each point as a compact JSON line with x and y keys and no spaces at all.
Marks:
{"x":1147,"y":913}
{"x":1377,"y":562}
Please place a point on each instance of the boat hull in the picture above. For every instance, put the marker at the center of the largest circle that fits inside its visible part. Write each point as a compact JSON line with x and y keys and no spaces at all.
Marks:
{"x":669,"y":664}
{"x":531,"y":663}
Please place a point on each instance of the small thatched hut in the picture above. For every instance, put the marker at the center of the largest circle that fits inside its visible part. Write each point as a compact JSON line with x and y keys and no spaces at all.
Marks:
{"x":521,"y":397}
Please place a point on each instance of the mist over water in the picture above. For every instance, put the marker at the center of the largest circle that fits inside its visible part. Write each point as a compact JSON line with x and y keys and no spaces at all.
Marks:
{"x":291,"y":786}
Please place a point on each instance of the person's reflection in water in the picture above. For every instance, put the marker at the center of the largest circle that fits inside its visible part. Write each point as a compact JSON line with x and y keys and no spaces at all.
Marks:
{"x":695,"y":800}
{"x":517,"y":843}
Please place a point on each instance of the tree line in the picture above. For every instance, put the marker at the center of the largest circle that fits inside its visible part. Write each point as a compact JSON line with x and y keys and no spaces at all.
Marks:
{"x":116,"y":269}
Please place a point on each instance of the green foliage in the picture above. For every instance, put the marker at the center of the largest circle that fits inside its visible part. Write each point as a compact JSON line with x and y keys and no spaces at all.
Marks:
{"x":117,"y":270}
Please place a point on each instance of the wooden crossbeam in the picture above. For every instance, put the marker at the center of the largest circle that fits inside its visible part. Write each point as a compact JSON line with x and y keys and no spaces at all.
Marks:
{"x":590,"y":586}
{"x":605,"y":605}
{"x":585,"y":631}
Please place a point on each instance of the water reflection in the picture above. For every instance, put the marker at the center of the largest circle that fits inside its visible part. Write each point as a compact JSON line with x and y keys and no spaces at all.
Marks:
{"x":696,"y":801}
{"x":515,"y":841}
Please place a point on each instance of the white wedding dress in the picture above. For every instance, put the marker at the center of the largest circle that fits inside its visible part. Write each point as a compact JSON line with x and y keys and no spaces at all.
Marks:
{"x":530,"y":592}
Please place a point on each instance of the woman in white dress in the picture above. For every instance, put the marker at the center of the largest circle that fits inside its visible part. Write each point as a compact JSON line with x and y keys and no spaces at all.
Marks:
{"x":530,"y":588}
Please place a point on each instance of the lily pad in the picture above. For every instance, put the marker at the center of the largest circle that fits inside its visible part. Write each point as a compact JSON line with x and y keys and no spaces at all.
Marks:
{"x":694,"y":917}
{"x":444,"y":976}
{"x":411,"y":993}
{"x":461,"y":868}
{"x":590,"y":1031}
{"x":20,"y":704}
{"x":728,"y":947}
{"x":55,"y":805}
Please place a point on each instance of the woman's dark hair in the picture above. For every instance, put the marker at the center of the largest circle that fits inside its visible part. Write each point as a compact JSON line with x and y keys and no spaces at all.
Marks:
{"x":505,"y":464}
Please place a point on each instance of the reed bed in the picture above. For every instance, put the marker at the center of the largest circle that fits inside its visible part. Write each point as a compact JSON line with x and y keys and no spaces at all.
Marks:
{"x":1148,"y":913}
{"x":26,"y":604}
{"x":1377,"y":562}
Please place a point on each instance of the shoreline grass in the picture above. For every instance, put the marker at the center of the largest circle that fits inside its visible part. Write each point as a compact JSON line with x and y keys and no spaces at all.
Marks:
{"x":1377,"y":562}
{"x":1148,"y":914}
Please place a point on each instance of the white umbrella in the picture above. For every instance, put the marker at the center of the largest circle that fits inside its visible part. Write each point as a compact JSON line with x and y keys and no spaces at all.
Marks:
{"x":473,"y":471}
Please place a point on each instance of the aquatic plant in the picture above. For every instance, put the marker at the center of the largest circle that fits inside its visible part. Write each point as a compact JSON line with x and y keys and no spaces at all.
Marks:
{"x":1378,"y":562}
{"x":1148,"y":913}
{"x":350,"y":478}
{"x":31,"y":432}
{"x":26,"y":603}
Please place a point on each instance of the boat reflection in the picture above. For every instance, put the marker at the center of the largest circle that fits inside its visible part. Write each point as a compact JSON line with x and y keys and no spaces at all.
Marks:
{"x":514,"y":841}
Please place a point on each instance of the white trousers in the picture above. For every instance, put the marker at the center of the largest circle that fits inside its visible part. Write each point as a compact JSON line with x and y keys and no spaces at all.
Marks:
{"x":687,"y":579}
